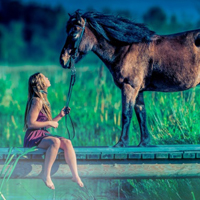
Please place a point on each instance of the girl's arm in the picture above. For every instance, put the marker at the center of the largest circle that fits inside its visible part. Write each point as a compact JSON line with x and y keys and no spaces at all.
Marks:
{"x":62,"y":113}
{"x":36,"y":107}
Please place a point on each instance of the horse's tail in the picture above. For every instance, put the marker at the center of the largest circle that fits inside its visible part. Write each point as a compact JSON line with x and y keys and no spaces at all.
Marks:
{"x":197,"y":40}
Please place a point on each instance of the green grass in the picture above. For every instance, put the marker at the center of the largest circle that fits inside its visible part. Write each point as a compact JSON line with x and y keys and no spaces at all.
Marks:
{"x":173,"y":118}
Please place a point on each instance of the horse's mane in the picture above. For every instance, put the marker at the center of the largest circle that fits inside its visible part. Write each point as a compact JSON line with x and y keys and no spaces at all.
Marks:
{"x":116,"y":28}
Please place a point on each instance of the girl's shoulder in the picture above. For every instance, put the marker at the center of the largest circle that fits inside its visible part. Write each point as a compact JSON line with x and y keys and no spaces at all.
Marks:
{"x":37,"y":102}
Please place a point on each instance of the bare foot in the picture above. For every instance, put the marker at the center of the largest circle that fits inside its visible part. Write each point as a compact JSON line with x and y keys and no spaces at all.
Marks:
{"x":47,"y":180}
{"x":78,"y":181}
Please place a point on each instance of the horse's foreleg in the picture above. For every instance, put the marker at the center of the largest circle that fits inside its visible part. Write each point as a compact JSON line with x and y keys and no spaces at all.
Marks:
{"x":141,"y":116}
{"x":129,"y":95}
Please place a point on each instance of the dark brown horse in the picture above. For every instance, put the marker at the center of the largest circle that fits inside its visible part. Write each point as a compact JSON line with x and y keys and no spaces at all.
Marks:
{"x":138,"y":59}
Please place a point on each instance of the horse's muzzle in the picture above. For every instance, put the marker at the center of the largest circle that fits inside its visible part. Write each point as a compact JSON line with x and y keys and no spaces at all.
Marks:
{"x":65,"y":64}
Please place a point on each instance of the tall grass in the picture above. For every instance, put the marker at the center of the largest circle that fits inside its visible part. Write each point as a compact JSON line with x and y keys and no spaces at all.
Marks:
{"x":96,"y":108}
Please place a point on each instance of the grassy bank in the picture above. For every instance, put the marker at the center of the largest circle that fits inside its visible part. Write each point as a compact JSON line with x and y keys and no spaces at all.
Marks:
{"x":96,"y":108}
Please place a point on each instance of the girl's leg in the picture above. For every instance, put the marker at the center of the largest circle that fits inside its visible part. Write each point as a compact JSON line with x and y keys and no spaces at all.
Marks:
{"x":52,"y":145}
{"x":70,"y":158}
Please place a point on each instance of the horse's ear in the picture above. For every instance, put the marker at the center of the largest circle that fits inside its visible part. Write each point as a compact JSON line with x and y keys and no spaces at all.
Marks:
{"x":78,"y":17}
{"x":69,"y":14}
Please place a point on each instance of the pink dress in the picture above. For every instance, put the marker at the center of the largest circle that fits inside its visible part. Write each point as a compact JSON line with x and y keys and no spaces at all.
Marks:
{"x":34,"y":136}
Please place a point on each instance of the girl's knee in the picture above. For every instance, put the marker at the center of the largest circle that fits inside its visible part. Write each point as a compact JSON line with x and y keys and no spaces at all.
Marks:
{"x":66,"y":143}
{"x":49,"y":141}
{"x":55,"y":142}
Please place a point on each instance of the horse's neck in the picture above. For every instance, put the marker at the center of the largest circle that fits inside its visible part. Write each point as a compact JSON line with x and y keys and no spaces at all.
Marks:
{"x":105,"y":51}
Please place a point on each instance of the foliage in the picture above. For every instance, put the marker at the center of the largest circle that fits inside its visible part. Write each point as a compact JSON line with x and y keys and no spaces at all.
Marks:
{"x":34,"y":34}
{"x":30,"y":33}
{"x":156,"y":19}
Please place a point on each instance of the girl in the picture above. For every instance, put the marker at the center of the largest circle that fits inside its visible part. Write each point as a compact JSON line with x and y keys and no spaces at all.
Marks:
{"x":37,"y":119}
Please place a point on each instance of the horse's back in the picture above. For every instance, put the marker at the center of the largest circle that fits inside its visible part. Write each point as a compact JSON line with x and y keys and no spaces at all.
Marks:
{"x":176,"y":61}
{"x":182,"y":38}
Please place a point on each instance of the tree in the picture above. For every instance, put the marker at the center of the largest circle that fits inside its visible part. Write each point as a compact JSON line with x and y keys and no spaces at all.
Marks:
{"x":155,"y":18}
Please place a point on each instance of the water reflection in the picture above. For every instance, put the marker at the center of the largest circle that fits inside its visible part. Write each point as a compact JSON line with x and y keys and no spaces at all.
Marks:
{"x":104,"y":189}
{"x":25,"y":189}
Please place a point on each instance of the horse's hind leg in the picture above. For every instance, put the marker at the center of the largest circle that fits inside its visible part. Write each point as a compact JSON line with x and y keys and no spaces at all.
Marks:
{"x":141,"y":116}
{"x":129,"y":95}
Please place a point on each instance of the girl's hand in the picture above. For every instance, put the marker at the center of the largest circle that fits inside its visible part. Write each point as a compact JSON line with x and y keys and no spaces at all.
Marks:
{"x":54,"y":124}
{"x":64,"y":111}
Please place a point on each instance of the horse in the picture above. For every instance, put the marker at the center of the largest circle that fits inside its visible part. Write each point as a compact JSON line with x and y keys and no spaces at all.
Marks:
{"x":138,"y":59}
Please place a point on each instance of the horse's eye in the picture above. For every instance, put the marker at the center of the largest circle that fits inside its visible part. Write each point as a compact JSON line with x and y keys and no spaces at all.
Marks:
{"x":75,"y":35}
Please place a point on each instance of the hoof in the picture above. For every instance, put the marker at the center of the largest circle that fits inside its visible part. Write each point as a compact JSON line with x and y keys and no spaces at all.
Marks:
{"x":144,"y":143}
{"x":120,"y":144}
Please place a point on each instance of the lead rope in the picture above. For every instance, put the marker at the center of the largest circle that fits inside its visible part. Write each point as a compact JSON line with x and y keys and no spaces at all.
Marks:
{"x":73,"y":79}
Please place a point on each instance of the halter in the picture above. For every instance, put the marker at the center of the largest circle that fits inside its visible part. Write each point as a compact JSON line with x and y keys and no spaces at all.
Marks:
{"x":77,"y":43}
{"x":73,"y":77}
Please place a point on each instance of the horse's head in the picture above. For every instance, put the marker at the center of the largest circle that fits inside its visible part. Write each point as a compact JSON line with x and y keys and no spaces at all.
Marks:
{"x":76,"y":45}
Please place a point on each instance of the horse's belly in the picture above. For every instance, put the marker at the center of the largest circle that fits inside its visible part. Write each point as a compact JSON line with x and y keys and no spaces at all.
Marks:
{"x":171,"y":82}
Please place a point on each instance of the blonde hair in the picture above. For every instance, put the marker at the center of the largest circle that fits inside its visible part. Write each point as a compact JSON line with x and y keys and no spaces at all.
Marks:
{"x":36,"y":83}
